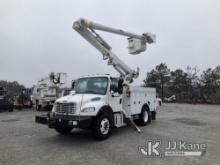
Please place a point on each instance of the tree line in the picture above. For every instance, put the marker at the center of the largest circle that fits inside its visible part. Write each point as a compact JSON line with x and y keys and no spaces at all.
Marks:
{"x":189,"y":85}
{"x":11,"y":88}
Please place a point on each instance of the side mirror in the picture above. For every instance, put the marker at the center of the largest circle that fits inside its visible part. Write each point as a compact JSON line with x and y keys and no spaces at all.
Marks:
{"x":120,"y":86}
{"x":73,"y":84}
{"x":113,"y":88}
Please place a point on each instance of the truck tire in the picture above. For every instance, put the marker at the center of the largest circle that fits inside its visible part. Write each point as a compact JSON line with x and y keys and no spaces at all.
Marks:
{"x":39,"y":107}
{"x":10,"y":110}
{"x":144,"y":117}
{"x":102,"y":126}
{"x":63,"y":130}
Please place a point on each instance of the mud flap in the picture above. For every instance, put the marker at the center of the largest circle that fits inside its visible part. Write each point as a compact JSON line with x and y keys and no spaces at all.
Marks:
{"x":153,"y":115}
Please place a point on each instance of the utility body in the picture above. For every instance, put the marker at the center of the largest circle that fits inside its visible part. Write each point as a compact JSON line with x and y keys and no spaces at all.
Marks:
{"x":103,"y":102}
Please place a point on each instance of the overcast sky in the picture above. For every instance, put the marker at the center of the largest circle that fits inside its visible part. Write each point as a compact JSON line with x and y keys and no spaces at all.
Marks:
{"x":36,"y":36}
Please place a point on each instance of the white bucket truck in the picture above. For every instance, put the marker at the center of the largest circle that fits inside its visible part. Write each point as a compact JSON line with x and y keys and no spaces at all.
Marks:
{"x":103,"y":102}
{"x":47,"y":90}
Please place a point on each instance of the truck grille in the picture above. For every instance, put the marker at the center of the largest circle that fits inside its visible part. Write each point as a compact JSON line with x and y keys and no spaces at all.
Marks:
{"x":66,"y":108}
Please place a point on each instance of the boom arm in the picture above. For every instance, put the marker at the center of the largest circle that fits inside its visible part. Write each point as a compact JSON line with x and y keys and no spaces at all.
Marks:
{"x":87,"y":30}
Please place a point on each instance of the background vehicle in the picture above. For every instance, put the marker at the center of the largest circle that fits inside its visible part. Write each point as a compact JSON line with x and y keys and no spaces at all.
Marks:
{"x":159,"y":101}
{"x":170,"y":99}
{"x":48,"y":90}
{"x":5,"y":102}
{"x":23,"y":99}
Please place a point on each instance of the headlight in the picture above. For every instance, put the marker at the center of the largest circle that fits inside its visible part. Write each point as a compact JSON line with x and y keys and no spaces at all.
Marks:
{"x":88,"y":109}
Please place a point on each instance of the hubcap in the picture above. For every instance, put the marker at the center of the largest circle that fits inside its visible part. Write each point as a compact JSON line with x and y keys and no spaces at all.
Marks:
{"x":104,"y":126}
{"x":145,"y":116}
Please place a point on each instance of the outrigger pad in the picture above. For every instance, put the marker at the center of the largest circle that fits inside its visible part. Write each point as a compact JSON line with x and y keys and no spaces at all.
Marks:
{"x":133,"y":125}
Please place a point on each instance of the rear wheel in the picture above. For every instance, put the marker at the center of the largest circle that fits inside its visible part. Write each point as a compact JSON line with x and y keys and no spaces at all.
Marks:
{"x":145,"y":116}
{"x":63,"y":130}
{"x":11,"y":110}
{"x":102,"y":127}
{"x":160,"y":103}
{"x":38,"y":107}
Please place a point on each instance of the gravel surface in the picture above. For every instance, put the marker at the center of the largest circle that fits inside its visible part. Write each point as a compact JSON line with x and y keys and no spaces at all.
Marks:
{"x":22,"y":141}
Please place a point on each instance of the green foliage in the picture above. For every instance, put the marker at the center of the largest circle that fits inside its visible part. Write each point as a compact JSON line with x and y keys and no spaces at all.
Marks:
{"x":11,"y":88}
{"x":210,"y":82}
{"x":185,"y":85}
{"x":179,"y":81}
{"x":158,"y":77}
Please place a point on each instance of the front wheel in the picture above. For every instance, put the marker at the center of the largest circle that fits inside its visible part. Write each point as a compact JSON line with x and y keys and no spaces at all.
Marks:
{"x":102,"y":127}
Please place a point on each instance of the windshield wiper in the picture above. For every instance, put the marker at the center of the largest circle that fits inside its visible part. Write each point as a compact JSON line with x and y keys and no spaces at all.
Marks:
{"x":93,"y":92}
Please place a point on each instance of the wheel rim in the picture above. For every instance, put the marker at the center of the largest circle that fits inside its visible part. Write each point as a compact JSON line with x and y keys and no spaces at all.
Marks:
{"x":145,"y":116}
{"x":104,"y":126}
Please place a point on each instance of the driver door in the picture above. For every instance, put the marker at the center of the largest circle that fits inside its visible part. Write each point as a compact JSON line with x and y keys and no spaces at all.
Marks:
{"x":114,"y":98}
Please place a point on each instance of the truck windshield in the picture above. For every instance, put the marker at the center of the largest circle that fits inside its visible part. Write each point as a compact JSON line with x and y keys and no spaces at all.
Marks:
{"x":94,"y":85}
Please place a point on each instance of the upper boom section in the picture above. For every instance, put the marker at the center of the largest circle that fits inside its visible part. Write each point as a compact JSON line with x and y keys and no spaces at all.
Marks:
{"x":137,"y":44}
{"x":146,"y":37}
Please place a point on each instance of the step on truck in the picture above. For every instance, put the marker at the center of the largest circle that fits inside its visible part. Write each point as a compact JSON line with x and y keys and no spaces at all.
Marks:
{"x":103,"y":102}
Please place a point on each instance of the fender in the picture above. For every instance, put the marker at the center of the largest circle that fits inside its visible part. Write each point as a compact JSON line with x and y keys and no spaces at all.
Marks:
{"x":97,"y":104}
{"x":152,"y":113}
{"x":106,"y":109}
{"x":146,"y":105}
